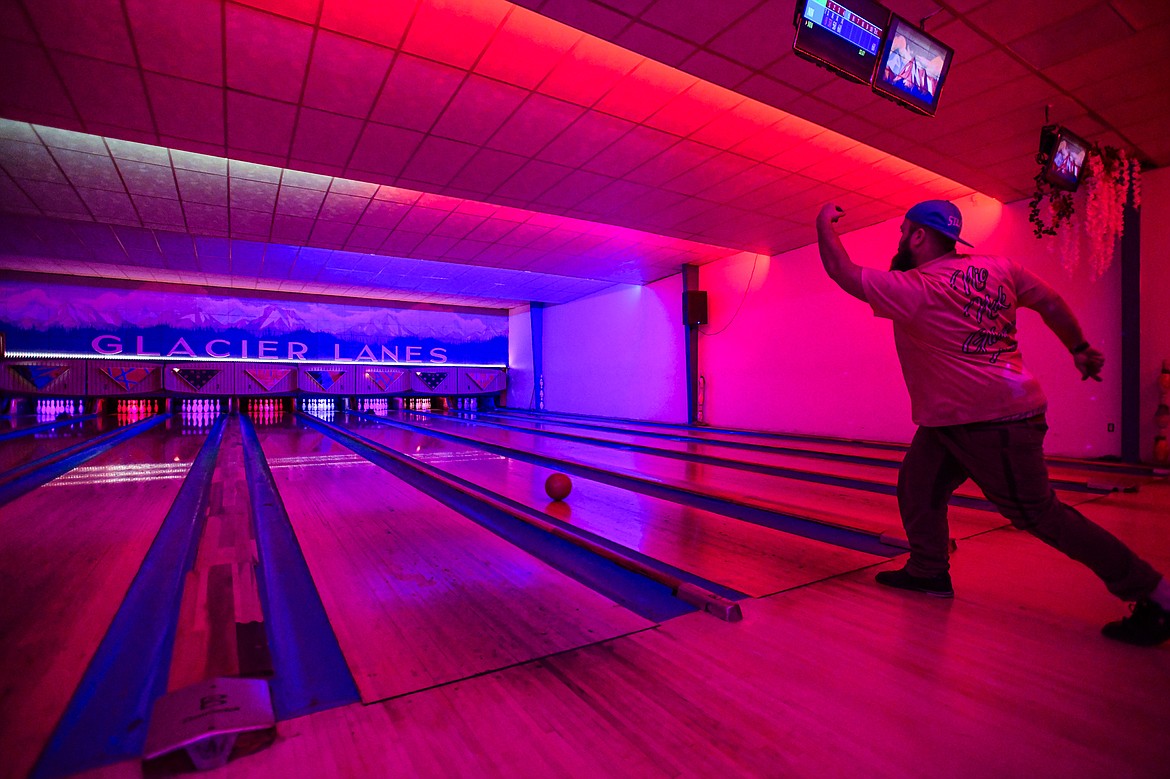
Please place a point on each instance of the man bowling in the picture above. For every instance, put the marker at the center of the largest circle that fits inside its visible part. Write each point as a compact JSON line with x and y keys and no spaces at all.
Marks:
{"x":980,"y":414}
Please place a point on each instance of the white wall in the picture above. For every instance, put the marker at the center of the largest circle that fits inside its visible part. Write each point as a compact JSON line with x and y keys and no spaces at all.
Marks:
{"x":1155,"y":282}
{"x":619,"y":353}
{"x":792,"y":352}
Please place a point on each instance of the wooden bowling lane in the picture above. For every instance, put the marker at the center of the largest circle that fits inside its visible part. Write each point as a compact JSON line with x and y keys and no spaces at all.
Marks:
{"x":220,"y":630}
{"x":817,"y":460}
{"x":865,"y":476}
{"x":867,"y":511}
{"x":68,"y":551}
{"x":15,"y":425}
{"x":418,"y":594}
{"x":17,"y":452}
{"x":838,"y":679}
{"x":752,"y":559}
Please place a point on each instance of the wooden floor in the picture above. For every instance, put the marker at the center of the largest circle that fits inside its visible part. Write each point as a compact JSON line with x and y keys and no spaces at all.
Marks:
{"x":749,"y":558}
{"x":866,"y":511}
{"x":836,"y":678}
{"x":68,"y":552}
{"x":417,"y":594}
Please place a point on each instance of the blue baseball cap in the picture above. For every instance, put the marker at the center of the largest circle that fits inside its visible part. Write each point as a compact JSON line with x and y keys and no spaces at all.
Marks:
{"x":941,"y":215}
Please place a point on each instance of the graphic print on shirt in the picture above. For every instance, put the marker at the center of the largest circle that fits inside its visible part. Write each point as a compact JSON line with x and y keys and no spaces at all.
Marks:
{"x":993,"y":335}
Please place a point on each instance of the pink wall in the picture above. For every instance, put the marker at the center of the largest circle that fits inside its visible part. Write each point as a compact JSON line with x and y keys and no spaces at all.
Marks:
{"x":1155,"y":296}
{"x":792,"y":352}
{"x":618,"y":353}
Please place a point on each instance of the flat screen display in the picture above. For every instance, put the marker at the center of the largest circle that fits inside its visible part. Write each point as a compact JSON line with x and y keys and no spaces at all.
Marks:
{"x":844,"y":36}
{"x":913,"y":67}
{"x":1066,"y":160}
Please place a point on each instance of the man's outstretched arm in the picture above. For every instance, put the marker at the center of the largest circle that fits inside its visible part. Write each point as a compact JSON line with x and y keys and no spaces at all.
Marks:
{"x":836,"y":260}
{"x":1061,"y":320}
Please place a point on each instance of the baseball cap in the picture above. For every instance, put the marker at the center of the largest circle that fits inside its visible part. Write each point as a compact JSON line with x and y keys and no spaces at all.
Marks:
{"x":941,"y":215}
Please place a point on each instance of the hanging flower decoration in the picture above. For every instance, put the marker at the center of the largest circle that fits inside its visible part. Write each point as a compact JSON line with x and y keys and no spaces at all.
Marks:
{"x":1109,"y":178}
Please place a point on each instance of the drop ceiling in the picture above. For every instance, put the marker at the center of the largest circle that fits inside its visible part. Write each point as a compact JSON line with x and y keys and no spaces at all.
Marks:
{"x":489,"y":153}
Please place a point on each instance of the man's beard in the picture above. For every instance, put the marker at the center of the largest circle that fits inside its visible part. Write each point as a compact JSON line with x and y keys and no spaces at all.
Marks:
{"x":902,"y":260}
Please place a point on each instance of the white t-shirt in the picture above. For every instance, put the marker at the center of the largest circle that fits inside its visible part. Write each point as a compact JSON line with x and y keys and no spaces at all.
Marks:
{"x":955,"y":331}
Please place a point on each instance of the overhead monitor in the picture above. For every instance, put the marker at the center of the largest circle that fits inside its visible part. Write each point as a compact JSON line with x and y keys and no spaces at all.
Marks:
{"x":844,"y":36}
{"x":913,"y":67}
{"x":1062,"y":154}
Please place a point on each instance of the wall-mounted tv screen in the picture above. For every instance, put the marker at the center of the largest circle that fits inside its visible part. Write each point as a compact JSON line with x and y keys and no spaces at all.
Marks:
{"x":912,"y":67}
{"x":1063,"y":156}
{"x":843,"y":36}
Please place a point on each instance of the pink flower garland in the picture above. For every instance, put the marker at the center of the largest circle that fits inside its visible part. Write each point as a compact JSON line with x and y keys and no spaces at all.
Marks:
{"x":1101,"y":201}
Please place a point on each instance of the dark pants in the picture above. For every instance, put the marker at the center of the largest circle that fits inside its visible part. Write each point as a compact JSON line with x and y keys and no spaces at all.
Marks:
{"x":1006,"y":460}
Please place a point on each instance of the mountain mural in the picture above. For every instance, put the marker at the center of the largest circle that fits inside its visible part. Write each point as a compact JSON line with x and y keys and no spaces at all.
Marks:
{"x":66,"y":318}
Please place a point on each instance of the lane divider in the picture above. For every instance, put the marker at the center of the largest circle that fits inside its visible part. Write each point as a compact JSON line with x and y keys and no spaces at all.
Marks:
{"x":311,"y":673}
{"x":105,"y":720}
{"x":11,"y":434}
{"x":29,"y":476}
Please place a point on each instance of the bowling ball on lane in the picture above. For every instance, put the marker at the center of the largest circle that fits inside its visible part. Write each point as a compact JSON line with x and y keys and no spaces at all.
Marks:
{"x":558,"y":486}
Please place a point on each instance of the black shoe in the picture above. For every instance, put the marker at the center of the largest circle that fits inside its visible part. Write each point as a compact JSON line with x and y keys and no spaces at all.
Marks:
{"x":1148,"y":625}
{"x":939,"y":586}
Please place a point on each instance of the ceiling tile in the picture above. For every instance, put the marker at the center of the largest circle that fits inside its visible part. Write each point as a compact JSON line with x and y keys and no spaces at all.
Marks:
{"x":645,"y":90}
{"x":534,"y":124}
{"x":589,"y":71}
{"x":206,"y":219}
{"x":697,"y":20}
{"x":184,"y":109}
{"x":266,"y":55}
{"x":381,"y":23}
{"x":1098,"y":26}
{"x":454,"y":33}
{"x":30,"y":161}
{"x":105,"y":92}
{"x":325,"y":138}
{"x":345,"y":75}
{"x":416,"y":92}
{"x":488,"y":169}
{"x":89,"y":170}
{"x":94,"y":27}
{"x":585,"y":138}
{"x":184,"y":40}
{"x":752,"y":40}
{"x":668,"y":49}
{"x":533,"y":179}
{"x":38,"y":90}
{"x":437,"y":160}
{"x":478,"y":109}
{"x":258,"y":124}
{"x":157,"y":210}
{"x":525,"y":49}
{"x":385,"y":150}
{"x":694,"y":108}
{"x":109,"y":206}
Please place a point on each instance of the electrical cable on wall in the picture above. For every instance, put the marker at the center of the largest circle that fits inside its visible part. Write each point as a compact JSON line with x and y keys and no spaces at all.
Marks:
{"x":746,"y":289}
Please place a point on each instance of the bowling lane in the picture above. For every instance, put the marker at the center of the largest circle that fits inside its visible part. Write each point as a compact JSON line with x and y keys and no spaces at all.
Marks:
{"x":755,"y":560}
{"x":868,"y":511}
{"x":418,"y":594}
{"x":10,"y":423}
{"x":68,"y":552}
{"x":802,"y":468}
{"x":17,"y":452}
{"x":882,"y":454}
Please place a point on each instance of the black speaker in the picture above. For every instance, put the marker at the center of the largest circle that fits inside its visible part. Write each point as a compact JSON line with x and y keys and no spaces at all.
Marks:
{"x":694,"y":308}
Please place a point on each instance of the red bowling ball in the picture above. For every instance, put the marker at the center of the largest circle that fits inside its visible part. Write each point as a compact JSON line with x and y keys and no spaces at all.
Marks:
{"x":558,"y":486}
